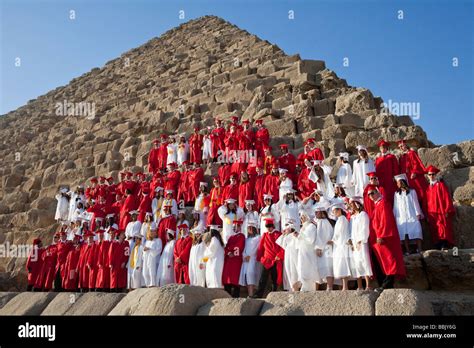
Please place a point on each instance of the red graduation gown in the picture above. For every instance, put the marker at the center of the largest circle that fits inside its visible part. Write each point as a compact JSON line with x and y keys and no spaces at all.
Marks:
{"x":182,"y":249}
{"x":163,"y":155}
{"x":231,"y":191}
{"x":262,"y":138}
{"x":439,"y":204}
{"x":153,"y":160}
{"x":268,"y":250}
{"x":63,"y":250}
{"x":316,"y":154}
{"x":224,"y":174}
{"x":272,"y":186}
{"x":127,"y":206}
{"x":144,"y":207}
{"x":410,"y":163}
{"x":103,"y":266}
{"x":83,"y":266}
{"x":246,"y":192}
{"x":368,"y":203}
{"x":171,"y":181}
{"x":233,"y":264}
{"x":91,"y":263}
{"x":165,"y":223}
{"x":247,"y":139}
{"x":258,"y":192}
{"x":217,"y":141}
{"x":183,"y":187}
{"x":195,"y":148}
{"x":48,"y":269}
{"x":34,"y":265}
{"x":389,"y":253}
{"x":386,"y":167}
{"x":215,"y":201}
{"x":71,"y":279}
{"x":118,"y":257}
{"x":195,"y":177}
{"x":305,"y":186}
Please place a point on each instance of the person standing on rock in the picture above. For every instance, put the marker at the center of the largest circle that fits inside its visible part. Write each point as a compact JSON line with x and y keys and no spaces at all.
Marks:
{"x":251,"y":269}
{"x":128,"y":205}
{"x":408,"y":214}
{"x":439,"y":209}
{"x":151,"y":257}
{"x":163,"y":154}
{"x":305,"y":260}
{"x":269,"y":211}
{"x":119,"y":253}
{"x":262,"y":138}
{"x":62,"y":207}
{"x":172,"y":150}
{"x":360,"y":232}
{"x":71,"y":280}
{"x":217,"y":138}
{"x":34,"y":264}
{"x":197,"y":270}
{"x":344,"y":174}
{"x":386,"y":240}
{"x":229,"y":212}
{"x":323,"y":246}
{"x":215,"y":201}
{"x":214,"y":259}
{"x":165,"y":272}
{"x":63,"y":247}
{"x":135,"y":263}
{"x":231,"y":190}
{"x":167,"y":221}
{"x":196,"y":146}
{"x":84,"y":265}
{"x":341,"y":243}
{"x":272,"y":183}
{"x":182,"y":249}
{"x":271,"y":256}
{"x":153,"y":157}
{"x":411,"y":165}
{"x":102,"y":278}
{"x":48,"y":268}
{"x":171,"y":180}
{"x":314,"y":153}
{"x":233,"y":260}
{"x":386,"y":167}
{"x":373,"y":182}
{"x":360,"y":169}
{"x":182,"y":150}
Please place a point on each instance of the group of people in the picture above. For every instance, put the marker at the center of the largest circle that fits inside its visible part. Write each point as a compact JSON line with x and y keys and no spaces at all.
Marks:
{"x":275,"y":220}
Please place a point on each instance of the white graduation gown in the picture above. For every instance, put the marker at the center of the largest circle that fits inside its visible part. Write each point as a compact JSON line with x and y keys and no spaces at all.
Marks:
{"x":359,"y":175}
{"x":197,"y":276}
{"x":251,"y":216}
{"x":324,"y":234}
{"x":227,"y":221}
{"x":341,"y":250}
{"x":215,"y":263}
{"x":307,"y":265}
{"x":135,"y":273}
{"x":251,"y":270}
{"x":151,"y":258}
{"x":172,"y":150}
{"x":406,"y":208}
{"x":326,"y":185}
{"x":289,"y":243}
{"x":360,"y":230}
{"x":165,"y":273}
{"x":174,"y":207}
{"x":207,"y":148}
{"x":146,"y":226}
{"x":267,"y":213}
{"x":182,"y":153}
{"x":285,"y":185}
{"x":289,"y":212}
{"x":62,"y":208}
{"x":344,"y":177}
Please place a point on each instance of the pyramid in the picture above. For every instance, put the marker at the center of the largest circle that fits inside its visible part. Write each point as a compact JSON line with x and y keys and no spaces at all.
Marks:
{"x":201,"y":69}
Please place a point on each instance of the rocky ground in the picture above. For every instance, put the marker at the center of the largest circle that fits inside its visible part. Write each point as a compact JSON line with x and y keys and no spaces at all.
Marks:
{"x":204,"y":68}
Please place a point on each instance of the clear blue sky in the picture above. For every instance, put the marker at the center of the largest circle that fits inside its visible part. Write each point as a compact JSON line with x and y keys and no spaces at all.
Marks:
{"x":407,"y":60}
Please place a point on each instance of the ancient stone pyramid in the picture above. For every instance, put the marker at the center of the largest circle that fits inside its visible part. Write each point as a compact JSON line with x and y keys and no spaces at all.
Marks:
{"x":204,"y":68}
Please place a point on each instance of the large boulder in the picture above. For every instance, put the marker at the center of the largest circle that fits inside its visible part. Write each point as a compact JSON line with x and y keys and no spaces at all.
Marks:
{"x":403,"y":302}
{"x":463,"y":227}
{"x":61,"y":303}
{"x":5,"y":297}
{"x":416,"y":275}
{"x":350,"y":302}
{"x":27,"y":303}
{"x":232,"y":306}
{"x":451,"y":270}
{"x":95,"y":303}
{"x":173,"y":299}
{"x":451,"y":303}
{"x":355,"y":102}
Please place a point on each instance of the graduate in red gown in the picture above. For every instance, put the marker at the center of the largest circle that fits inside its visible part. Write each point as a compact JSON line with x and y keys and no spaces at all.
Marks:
{"x":195,"y":146}
{"x":439,"y":209}
{"x":196,"y":175}
{"x":373,"y":183}
{"x":128,"y":205}
{"x":215,"y":201}
{"x":120,"y":185}
{"x":386,"y":167}
{"x":272,"y":183}
{"x":111,"y":191}
{"x":48,"y":269}
{"x":63,"y":247}
{"x":259,"y":180}
{"x":153,"y":157}
{"x":102,"y":187}
{"x":183,"y":187}
{"x":119,"y":251}
{"x":91,"y":191}
{"x":71,"y":279}
{"x":231,"y":190}
{"x":182,"y":249}
{"x":217,"y":139}
{"x":305,"y":186}
{"x":231,"y":140}
{"x":385,"y":240}
{"x":163,"y":153}
{"x":34,"y":263}
{"x":167,"y":221}
{"x":224,"y":174}
{"x":262,"y":137}
{"x":102,"y":281}
{"x":247,"y":137}
{"x":93,"y":259}
{"x":84,"y":266}
{"x":246,"y":189}
{"x":145,"y":204}
{"x":171,"y":181}
{"x":314,"y":153}
{"x":233,"y":252}
{"x":288,"y":162}
{"x":268,"y":160}
{"x":271,"y":256}
{"x":411,"y":164}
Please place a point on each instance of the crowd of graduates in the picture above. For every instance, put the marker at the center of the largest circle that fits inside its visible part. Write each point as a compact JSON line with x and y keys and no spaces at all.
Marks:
{"x":267,"y":217}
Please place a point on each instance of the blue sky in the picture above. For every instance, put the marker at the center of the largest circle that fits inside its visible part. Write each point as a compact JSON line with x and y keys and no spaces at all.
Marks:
{"x":408,"y":60}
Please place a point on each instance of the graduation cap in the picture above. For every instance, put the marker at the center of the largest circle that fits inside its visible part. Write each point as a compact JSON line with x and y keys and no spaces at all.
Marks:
{"x":267,"y":196}
{"x":282,"y":170}
{"x":269,"y":221}
{"x":100,"y":231}
{"x":169,"y":191}
{"x":357,"y":199}
{"x":344,"y":155}
{"x":246,"y":122}
{"x":134,"y":212}
{"x":88,"y":234}
{"x":110,"y":178}
{"x":94,"y":179}
{"x":402,"y":176}
{"x":309,"y":141}
{"x":237,"y":222}
{"x":36,"y":241}
{"x":361,"y":147}
{"x":158,"y":189}
{"x":203,"y":183}
{"x":249,"y":201}
{"x":432,"y":169}
{"x":63,"y":190}
{"x":230,"y":200}
{"x":384,"y":143}
{"x":371,"y":174}
{"x":164,"y":136}
{"x":284,"y":146}
{"x":259,"y":121}
{"x":156,"y":141}
{"x":183,"y":226}
{"x":401,"y":141}
{"x":111,"y":215}
{"x":338,"y":205}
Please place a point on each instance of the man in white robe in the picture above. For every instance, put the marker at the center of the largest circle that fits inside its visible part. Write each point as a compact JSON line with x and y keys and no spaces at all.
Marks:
{"x":360,"y":168}
{"x":344,"y":174}
{"x":62,"y":208}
